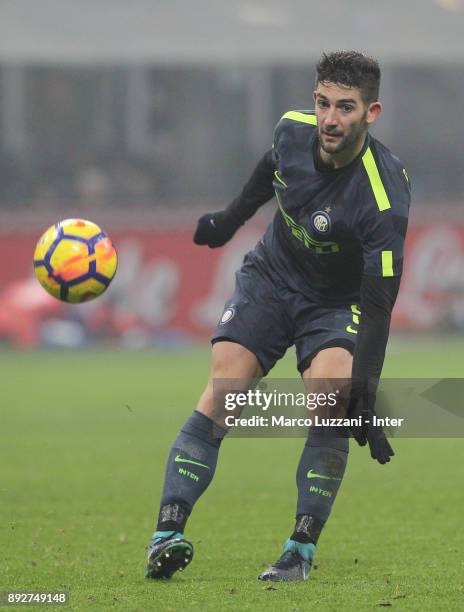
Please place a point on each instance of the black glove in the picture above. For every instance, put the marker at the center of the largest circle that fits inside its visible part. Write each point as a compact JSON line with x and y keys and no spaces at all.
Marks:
{"x":379,"y":445}
{"x":362,"y":407}
{"x":215,"y":229}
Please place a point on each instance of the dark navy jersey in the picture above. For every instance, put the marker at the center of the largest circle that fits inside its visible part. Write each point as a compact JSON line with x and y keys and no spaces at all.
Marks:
{"x":334,"y":225}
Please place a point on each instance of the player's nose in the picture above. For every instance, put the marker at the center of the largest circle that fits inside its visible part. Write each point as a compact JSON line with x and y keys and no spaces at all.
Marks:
{"x":330,"y":118}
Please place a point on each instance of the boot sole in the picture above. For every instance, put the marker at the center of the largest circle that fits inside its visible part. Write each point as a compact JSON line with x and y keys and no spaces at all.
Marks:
{"x":171,"y":559}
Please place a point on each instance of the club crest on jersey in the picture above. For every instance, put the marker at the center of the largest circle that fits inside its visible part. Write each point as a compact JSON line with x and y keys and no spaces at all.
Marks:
{"x":228,"y":315}
{"x":321,"y":222}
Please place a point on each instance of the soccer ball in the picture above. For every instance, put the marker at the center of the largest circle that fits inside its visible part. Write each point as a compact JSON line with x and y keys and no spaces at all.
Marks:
{"x":75,"y":260}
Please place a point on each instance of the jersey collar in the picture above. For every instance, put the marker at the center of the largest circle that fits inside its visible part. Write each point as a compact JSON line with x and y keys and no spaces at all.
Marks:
{"x":322,"y":168}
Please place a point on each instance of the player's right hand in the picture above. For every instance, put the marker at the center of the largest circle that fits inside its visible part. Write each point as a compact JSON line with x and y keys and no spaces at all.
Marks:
{"x":215,"y":229}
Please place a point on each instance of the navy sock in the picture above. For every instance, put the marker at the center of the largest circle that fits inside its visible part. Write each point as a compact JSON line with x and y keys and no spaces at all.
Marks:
{"x":319,"y":475}
{"x":189,"y":470}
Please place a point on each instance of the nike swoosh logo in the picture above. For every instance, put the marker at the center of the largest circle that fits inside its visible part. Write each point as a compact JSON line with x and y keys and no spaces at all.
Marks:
{"x":312,"y":474}
{"x":351,"y":330}
{"x":179,"y":459}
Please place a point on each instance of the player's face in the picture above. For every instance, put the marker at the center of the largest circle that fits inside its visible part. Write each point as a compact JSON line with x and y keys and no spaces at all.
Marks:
{"x":343,"y":117}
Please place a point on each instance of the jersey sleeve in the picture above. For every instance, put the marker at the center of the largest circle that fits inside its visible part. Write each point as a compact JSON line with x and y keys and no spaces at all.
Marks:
{"x":257,"y":191}
{"x":383,"y":228}
{"x":377,"y":300}
{"x":300,"y":120}
{"x":383,"y":245}
{"x":384,"y":224}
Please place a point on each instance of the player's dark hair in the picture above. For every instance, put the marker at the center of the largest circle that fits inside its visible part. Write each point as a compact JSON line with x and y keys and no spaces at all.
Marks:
{"x":352,"y":69}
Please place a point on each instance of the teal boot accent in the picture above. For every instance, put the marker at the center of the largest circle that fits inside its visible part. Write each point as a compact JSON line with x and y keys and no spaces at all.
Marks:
{"x":305,"y":550}
{"x":167,"y":534}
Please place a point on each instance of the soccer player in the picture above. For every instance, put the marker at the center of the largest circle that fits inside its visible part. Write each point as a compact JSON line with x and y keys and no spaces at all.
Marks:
{"x":324,"y":278}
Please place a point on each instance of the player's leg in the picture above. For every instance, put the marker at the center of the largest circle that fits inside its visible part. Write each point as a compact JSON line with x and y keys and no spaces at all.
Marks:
{"x":320,"y":469}
{"x":324,"y":341}
{"x":193,"y":457}
{"x":192,"y":461}
{"x":250,"y":337}
{"x":325,"y":454}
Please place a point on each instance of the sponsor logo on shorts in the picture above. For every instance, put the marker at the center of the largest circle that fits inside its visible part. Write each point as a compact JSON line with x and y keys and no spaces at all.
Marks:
{"x":228,"y":315}
{"x":321,"y":222}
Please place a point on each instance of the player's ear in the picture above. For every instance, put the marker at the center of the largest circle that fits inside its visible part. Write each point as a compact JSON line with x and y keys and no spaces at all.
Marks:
{"x":373,"y":111}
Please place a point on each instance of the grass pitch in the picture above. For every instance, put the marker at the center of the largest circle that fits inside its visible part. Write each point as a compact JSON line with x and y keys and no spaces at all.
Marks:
{"x":83,"y":442}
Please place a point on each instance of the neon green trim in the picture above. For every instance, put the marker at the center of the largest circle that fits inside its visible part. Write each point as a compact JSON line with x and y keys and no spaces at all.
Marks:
{"x":356,"y":314}
{"x":376,"y":182}
{"x":312,"y":474}
{"x":387,"y":263}
{"x":301,"y":117}
{"x":281,"y":181}
{"x":178,"y":459}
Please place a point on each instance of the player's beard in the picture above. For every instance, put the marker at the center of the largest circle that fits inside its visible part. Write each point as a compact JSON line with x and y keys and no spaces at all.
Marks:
{"x":348,"y":140}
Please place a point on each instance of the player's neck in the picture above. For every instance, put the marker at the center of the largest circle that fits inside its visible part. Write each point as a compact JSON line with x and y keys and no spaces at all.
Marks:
{"x":339,"y":160}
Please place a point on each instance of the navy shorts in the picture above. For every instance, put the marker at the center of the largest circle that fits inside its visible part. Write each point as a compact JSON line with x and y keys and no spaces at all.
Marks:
{"x":267,"y":318}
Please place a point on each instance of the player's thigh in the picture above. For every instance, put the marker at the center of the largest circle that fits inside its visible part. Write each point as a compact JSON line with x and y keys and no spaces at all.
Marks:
{"x":252,"y":334}
{"x":234,"y":368}
{"x":232,"y":360}
{"x":256,"y":317}
{"x":330,"y":363}
{"x":325,"y":340}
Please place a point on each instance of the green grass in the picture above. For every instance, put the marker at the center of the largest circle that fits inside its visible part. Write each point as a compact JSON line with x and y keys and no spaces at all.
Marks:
{"x":83,"y":441}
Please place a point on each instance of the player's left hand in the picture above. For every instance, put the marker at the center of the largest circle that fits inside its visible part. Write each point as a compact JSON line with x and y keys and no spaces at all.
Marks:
{"x":379,"y":445}
{"x":361,"y":407}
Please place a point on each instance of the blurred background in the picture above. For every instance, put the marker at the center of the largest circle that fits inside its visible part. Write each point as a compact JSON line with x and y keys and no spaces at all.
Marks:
{"x":142,"y":117}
